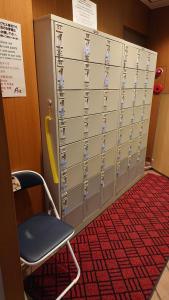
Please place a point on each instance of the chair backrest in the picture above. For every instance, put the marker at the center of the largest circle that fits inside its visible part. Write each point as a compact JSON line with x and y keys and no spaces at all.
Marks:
{"x":26,"y":179}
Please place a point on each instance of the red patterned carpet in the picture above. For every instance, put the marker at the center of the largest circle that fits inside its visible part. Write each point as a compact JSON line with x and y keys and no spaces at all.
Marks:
{"x":121,"y":253}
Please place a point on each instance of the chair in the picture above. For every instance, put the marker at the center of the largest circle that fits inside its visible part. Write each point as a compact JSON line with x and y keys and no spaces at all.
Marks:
{"x":43,"y":234}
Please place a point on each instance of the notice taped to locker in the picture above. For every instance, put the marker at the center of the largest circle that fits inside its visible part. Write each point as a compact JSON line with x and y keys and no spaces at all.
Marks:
{"x":11,"y":60}
{"x":85,"y":13}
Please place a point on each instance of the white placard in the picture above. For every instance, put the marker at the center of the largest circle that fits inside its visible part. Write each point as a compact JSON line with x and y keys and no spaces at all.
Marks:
{"x":11,"y":60}
{"x":85,"y":13}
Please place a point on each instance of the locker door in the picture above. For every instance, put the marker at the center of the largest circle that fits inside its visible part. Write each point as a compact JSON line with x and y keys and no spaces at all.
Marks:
{"x":143,"y":59}
{"x":152,"y":63}
{"x":111,"y":120}
{"x":95,"y":124}
{"x":111,"y":100}
{"x":70,"y":74}
{"x":140,"y":96}
{"x":125,"y":134}
{"x":71,"y":154}
{"x":110,"y":140}
{"x":145,"y":126}
{"x":96,"y":76}
{"x":74,"y":176}
{"x":129,"y":78}
{"x":94,"y":166}
{"x":123,"y":151}
{"x":65,"y":36}
{"x":150,"y":79}
{"x":147,"y":110}
{"x":94,"y":145}
{"x":138,"y":114}
{"x":71,"y":130}
{"x":108,"y":189}
{"x":141,"y":79}
{"x":95,"y":102}
{"x":136,"y":130}
{"x":97,"y":42}
{"x":92,"y":202}
{"x":116,"y":50}
{"x":114,"y":74}
{"x":127,"y":98}
{"x":70,"y":104}
{"x":74,"y":200}
{"x":148,"y":96}
{"x":130,"y":56}
{"x":126,"y":117}
{"x":109,"y":157}
{"x":135,"y":146}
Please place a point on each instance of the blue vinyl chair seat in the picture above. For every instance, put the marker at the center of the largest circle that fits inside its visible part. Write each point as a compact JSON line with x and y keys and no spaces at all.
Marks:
{"x":34,"y":244}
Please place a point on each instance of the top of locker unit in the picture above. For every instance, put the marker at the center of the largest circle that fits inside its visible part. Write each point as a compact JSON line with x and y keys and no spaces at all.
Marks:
{"x":103,"y":34}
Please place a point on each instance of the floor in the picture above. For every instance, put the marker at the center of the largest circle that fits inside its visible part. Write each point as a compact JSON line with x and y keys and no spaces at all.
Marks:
{"x":162,"y":289}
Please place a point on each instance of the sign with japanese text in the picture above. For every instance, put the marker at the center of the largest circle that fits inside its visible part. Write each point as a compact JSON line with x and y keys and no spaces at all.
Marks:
{"x":11,"y":60}
{"x":85,"y":13}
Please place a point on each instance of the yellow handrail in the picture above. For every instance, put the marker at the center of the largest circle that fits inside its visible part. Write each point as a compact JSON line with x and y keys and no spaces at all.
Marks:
{"x":50,"y":150}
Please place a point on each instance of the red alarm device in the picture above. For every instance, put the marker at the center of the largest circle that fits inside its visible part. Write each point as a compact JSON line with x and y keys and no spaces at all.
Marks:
{"x":158,"y":88}
{"x":159,"y":71}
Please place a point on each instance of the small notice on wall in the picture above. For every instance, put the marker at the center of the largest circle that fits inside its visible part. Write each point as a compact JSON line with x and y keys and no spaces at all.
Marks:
{"x":11,"y":60}
{"x":85,"y":13}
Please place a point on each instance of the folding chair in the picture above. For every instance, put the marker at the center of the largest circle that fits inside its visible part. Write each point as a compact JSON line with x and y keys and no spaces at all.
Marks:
{"x":42,"y":234}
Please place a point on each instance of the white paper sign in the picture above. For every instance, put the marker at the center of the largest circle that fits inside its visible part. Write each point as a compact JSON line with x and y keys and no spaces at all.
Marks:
{"x":85,"y":13}
{"x":11,"y":60}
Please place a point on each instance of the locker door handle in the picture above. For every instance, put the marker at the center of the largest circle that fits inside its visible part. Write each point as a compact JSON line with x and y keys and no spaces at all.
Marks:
{"x":50,"y":150}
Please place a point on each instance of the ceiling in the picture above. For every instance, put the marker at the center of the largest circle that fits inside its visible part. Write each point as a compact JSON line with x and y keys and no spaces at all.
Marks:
{"x":155,"y":3}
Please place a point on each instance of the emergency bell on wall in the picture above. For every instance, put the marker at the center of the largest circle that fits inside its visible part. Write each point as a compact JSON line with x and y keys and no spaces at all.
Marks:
{"x":159,"y":71}
{"x":158,"y":88}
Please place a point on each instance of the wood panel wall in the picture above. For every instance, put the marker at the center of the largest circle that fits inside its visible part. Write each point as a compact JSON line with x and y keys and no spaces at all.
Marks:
{"x":12,"y":285}
{"x":158,"y":142}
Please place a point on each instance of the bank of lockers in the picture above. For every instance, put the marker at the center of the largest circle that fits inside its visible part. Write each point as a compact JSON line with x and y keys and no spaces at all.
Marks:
{"x":98,"y":90}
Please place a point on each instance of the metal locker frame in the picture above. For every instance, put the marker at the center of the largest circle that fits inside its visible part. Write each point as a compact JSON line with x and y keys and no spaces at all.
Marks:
{"x":111,"y":100}
{"x":130,"y":55}
{"x":126,"y":117}
{"x":71,"y":130}
{"x":95,"y":101}
{"x":138,"y":112}
{"x":110,"y":140}
{"x":125,"y":134}
{"x":139,"y":97}
{"x":70,"y":103}
{"x":129,"y":78}
{"x":148,"y":96}
{"x":94,"y":146}
{"x":127,"y":98}
{"x":71,"y":154}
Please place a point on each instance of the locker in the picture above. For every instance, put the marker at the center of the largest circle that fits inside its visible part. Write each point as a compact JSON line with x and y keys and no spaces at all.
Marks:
{"x":96,"y":76}
{"x":74,"y":199}
{"x":143,"y":59}
{"x":74,"y":176}
{"x":71,"y":154}
{"x":145,"y":126}
{"x":140,"y":169}
{"x":143,"y":143}
{"x":95,"y":101}
{"x":123,"y":151}
{"x":129,"y":78}
{"x":97,"y":42}
{"x":65,"y":36}
{"x":135,"y":146}
{"x":75,"y":217}
{"x":150,"y":79}
{"x":70,"y":74}
{"x":148,"y":96}
{"x":113,"y":55}
{"x":110,"y":121}
{"x":137,"y":129}
{"x":132,"y":167}
{"x":127,"y":98}
{"x":130,"y":56}
{"x":94,"y":145}
{"x":112,"y":78}
{"x":108,"y":187}
{"x":95,"y":124}
{"x":109,"y":158}
{"x":141,"y":79}
{"x":92,"y":204}
{"x":71,"y":130}
{"x":94,"y":166}
{"x":138,"y":113}
{"x":111,"y":100}
{"x":110,"y":140}
{"x":125,"y":134}
{"x":140,"y":96}
{"x":126,"y":117}
{"x":70,"y":104}
{"x":152,"y":61}
{"x":93,"y":186}
{"x":147,"y":110}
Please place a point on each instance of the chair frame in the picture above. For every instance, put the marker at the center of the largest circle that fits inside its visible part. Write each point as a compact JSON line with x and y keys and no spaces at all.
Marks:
{"x":66,"y":241}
